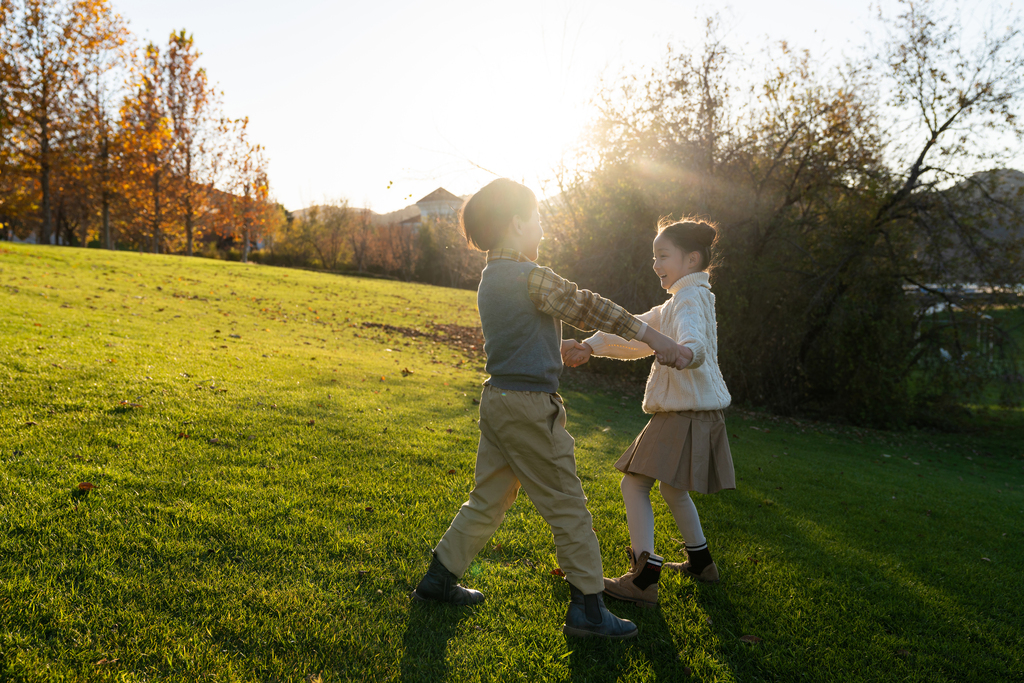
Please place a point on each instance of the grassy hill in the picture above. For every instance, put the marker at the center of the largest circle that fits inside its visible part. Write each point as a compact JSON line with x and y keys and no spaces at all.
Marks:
{"x":212,"y":470}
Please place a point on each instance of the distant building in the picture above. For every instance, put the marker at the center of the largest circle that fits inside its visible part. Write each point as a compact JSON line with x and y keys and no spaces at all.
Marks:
{"x":439,"y":204}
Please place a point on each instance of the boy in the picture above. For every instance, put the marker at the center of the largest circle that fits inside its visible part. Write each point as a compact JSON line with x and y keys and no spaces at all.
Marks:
{"x":522,"y":422}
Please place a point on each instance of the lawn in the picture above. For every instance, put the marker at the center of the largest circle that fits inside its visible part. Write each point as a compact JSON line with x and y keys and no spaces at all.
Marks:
{"x":217,"y":471}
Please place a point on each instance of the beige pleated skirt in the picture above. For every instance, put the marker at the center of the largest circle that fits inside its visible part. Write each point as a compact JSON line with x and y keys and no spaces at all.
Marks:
{"x":688,"y":450}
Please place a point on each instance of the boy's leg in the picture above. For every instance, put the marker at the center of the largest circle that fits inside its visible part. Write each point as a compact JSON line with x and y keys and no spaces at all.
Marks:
{"x":495,"y":489}
{"x":530,"y":428}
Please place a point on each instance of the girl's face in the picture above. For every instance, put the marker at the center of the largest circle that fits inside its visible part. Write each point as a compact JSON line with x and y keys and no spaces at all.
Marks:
{"x":671,"y":262}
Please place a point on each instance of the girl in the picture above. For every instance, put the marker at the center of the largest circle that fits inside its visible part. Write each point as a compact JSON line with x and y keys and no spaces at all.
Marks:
{"x":685,"y":446}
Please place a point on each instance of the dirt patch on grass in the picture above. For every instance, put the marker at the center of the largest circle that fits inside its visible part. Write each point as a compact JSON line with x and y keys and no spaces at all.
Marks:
{"x":469,"y":340}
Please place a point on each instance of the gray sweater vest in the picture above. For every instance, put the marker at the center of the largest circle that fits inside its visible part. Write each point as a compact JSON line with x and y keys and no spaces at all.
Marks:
{"x":523,"y":345}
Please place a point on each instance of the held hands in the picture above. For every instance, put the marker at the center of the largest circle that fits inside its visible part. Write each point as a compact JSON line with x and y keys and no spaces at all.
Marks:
{"x":574,"y":353}
{"x":666,"y":351}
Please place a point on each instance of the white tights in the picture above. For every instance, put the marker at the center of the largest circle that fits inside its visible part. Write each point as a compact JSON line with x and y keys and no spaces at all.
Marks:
{"x":636,"y":494}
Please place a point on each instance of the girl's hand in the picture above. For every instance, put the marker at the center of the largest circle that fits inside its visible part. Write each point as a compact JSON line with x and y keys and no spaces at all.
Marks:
{"x":684,"y":357}
{"x":574,"y":353}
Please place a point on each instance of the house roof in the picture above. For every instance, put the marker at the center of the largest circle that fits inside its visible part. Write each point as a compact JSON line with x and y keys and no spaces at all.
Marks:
{"x":440,"y":194}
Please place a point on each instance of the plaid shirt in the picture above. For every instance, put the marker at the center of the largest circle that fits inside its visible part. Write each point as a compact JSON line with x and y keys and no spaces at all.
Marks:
{"x":554,"y":295}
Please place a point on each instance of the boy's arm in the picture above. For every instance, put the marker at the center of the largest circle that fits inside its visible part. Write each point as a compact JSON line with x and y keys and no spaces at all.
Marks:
{"x":554,"y":295}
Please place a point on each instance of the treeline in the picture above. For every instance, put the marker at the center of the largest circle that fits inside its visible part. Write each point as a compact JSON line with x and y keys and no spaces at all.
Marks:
{"x":108,"y":143}
{"x":336,"y":237}
{"x":870,"y":258}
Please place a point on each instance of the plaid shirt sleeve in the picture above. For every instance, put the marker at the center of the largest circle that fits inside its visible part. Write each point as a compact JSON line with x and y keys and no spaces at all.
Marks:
{"x":554,"y":295}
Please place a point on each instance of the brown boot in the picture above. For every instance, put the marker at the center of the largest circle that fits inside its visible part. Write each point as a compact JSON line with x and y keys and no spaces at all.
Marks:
{"x":640,"y":585}
{"x":708,"y":575}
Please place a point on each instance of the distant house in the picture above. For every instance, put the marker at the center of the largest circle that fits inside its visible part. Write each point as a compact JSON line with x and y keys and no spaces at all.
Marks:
{"x":438,"y":204}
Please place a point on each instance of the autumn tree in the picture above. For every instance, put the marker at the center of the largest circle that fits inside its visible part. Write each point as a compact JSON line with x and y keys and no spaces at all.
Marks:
{"x":250,"y":185}
{"x":147,"y":144}
{"x":325,"y":229}
{"x":359,"y":238}
{"x":105,"y":67}
{"x":46,"y":46}
{"x":199,"y":144}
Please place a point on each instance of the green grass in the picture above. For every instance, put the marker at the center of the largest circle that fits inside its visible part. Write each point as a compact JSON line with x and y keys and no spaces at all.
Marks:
{"x":264,"y":502}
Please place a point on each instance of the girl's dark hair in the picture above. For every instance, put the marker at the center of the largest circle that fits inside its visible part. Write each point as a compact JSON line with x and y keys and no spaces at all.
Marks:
{"x":486,"y":215}
{"x":691,"y":234}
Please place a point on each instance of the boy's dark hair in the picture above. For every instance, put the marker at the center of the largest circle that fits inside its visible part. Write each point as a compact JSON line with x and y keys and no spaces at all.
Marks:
{"x":486,"y":215}
{"x":691,"y":234}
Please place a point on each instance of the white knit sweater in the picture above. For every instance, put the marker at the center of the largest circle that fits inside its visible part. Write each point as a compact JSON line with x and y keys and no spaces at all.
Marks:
{"x":689,"y":318}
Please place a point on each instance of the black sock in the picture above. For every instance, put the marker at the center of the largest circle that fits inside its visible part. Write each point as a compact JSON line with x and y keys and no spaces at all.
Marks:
{"x":700,"y":557}
{"x":650,"y":573}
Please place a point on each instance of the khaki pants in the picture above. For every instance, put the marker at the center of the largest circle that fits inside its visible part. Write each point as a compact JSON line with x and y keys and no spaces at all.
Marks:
{"x":523,"y":441}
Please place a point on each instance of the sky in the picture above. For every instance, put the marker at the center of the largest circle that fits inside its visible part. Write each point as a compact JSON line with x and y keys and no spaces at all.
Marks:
{"x":380,"y":103}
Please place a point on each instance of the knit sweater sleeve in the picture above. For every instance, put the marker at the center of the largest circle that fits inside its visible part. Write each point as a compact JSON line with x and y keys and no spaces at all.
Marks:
{"x":614,"y":346}
{"x":691,"y":321}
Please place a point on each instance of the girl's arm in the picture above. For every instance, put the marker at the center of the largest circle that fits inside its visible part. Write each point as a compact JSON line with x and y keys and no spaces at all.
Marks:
{"x":692,"y":319}
{"x":614,"y":346}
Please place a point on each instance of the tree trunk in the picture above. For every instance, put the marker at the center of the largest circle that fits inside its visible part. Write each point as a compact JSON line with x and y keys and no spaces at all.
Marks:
{"x":156,"y":213}
{"x":107,"y":243}
{"x":188,"y":233}
{"x":44,"y":181}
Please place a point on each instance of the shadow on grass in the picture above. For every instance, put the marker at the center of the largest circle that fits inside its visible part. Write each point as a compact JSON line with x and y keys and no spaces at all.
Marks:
{"x":597,"y":659}
{"x":430,"y":627}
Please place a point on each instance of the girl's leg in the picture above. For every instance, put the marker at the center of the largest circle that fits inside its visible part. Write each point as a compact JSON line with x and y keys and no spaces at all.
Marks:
{"x":688,"y":521}
{"x":640,"y":583}
{"x":685,"y":514}
{"x":636,"y":494}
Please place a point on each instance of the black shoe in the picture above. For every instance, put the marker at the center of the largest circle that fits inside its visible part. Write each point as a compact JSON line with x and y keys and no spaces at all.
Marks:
{"x":439,"y":584}
{"x":587,"y":616}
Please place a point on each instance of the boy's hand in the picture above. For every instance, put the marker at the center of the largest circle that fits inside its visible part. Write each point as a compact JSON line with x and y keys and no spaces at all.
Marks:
{"x":666,"y":351}
{"x":574,"y":353}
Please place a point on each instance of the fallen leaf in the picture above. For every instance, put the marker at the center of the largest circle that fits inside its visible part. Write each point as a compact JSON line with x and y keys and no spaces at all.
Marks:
{"x":311,"y":423}
{"x":557,"y":571}
{"x":369,"y":509}
{"x":986,"y":559}
{"x":182,"y":435}
{"x":476,"y":401}
{"x":106,"y":661}
{"x":86,"y":486}
{"x":31,"y":423}
{"x":451,"y":471}
{"x":406,"y":372}
{"x":903,"y":653}
{"x":749,"y":639}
